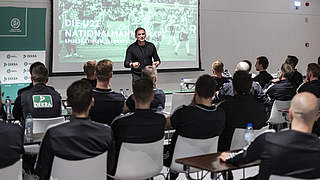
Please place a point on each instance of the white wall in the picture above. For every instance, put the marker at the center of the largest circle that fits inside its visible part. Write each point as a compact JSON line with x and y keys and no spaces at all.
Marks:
{"x":230,"y":30}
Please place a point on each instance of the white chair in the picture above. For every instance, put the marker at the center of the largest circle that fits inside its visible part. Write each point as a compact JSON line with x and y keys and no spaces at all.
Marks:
{"x":187,"y":147}
{"x":40,"y":125}
{"x":13,"y":172}
{"x":91,"y":168}
{"x":139,"y":160}
{"x":238,"y":141}
{"x":277,"y":177}
{"x":276,"y":117}
{"x":179,"y":99}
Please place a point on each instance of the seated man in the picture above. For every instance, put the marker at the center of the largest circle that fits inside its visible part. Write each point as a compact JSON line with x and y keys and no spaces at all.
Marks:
{"x":241,"y":110}
{"x":11,"y":136}
{"x":294,"y":152}
{"x":200,"y":120}
{"x":297,"y":77}
{"x":282,"y":89}
{"x":107,"y":103}
{"x":313,"y":83}
{"x":148,"y":72}
{"x":78,"y":139}
{"x":33,"y":65}
{"x":41,"y":101}
{"x":217,"y":71}
{"x":89,"y":69}
{"x":141,"y":126}
{"x":263,"y":77}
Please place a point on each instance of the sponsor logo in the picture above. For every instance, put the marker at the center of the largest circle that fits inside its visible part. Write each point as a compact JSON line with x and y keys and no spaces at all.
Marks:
{"x":10,"y":79}
{"x":29,"y":56}
{"x":25,"y":70}
{"x":26,"y":63}
{"x":15,"y":24}
{"x":10,"y":64}
{"x":42,"y":101}
{"x":26,"y":77}
{"x":9,"y":56}
{"x":11,"y":70}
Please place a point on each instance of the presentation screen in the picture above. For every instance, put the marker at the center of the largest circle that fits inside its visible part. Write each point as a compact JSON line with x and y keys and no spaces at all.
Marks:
{"x":103,"y":29}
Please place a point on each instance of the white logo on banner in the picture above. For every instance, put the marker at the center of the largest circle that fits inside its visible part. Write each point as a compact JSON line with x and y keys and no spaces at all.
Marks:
{"x":15,"y":23}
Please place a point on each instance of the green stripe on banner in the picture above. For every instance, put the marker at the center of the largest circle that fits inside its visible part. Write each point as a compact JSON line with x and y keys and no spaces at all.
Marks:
{"x":21,"y":29}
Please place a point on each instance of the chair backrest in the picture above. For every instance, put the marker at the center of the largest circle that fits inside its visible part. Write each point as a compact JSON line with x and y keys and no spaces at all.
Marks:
{"x":91,"y":168}
{"x":238,"y":141}
{"x":139,"y":160}
{"x":179,"y":99}
{"x":276,"y":116}
{"x":40,"y":125}
{"x":277,"y":177}
{"x":187,"y":147}
{"x":13,"y":172}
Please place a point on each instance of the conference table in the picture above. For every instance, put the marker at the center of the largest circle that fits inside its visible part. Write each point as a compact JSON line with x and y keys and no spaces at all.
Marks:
{"x":211,"y":163}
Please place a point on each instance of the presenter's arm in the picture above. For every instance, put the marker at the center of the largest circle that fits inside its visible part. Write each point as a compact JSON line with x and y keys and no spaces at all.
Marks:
{"x":156,"y":59}
{"x":127,"y":61}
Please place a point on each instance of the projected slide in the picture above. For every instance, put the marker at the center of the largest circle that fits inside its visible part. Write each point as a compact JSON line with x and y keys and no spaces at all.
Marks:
{"x":103,"y":29}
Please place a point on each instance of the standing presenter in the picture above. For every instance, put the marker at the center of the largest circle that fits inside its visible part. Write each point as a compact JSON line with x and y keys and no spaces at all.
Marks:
{"x":139,"y":54}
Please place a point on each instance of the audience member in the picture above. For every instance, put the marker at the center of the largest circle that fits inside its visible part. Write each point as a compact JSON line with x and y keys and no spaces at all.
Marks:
{"x":141,"y":126}
{"x":319,"y":60}
{"x":148,"y":72}
{"x":313,"y":83}
{"x":80,"y":138}
{"x":3,"y":114}
{"x":282,"y":88}
{"x":11,"y":136}
{"x":107,"y":103}
{"x":294,"y":152}
{"x":249,"y":63}
{"x":201,"y":119}
{"x":33,"y":65}
{"x":217,"y":71}
{"x":89,"y":69}
{"x":263,"y":77}
{"x":40,"y":100}
{"x":297,"y":77}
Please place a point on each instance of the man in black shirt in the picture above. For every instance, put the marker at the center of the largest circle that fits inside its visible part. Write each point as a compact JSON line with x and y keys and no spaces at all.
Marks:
{"x":283,"y":88}
{"x":297,"y":77}
{"x":148,"y":72}
{"x":217,"y":70}
{"x":313,"y":83}
{"x":89,"y":69}
{"x":200,"y":120}
{"x":263,"y":77}
{"x":294,"y":152}
{"x":41,"y":101}
{"x":78,"y":139}
{"x":33,"y":65}
{"x":107,"y":103}
{"x":140,"y":54}
{"x":141,"y":126}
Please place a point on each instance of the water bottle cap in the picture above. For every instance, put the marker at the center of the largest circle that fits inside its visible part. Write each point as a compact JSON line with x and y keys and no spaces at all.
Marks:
{"x":127,"y":89}
{"x":8,"y":97}
{"x":249,"y":124}
{"x":181,"y":78}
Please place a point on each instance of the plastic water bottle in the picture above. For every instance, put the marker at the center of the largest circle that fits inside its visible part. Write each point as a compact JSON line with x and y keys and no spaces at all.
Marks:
{"x":122,"y":92}
{"x":29,"y":127}
{"x":8,"y":107}
{"x":249,"y":135}
{"x":126,"y":93}
{"x":159,"y":108}
{"x":181,"y":85}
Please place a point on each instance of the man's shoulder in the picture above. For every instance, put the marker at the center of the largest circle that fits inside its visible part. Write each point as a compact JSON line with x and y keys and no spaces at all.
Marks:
{"x":10,"y":128}
{"x":24,"y":89}
{"x":122,"y":117}
{"x":110,"y":94}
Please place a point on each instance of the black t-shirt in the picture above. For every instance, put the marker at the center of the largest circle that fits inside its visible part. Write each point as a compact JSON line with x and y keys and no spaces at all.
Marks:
{"x":287,"y":153}
{"x":141,"y":54}
{"x":312,"y":87}
{"x":297,"y":78}
{"x":159,"y":99}
{"x":92,"y":82}
{"x":263,"y":78}
{"x":283,"y":90}
{"x":11,"y":146}
{"x":78,"y":139}
{"x":241,"y":110}
{"x":107,"y":105}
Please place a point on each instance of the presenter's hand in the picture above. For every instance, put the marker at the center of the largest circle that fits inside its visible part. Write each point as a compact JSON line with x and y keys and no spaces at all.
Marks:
{"x":135,"y":65}
{"x":156,"y":64}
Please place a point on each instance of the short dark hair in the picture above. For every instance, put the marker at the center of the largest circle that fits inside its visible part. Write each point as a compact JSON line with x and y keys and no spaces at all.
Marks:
{"x":89,"y":68}
{"x":249,"y":63}
{"x":292,"y":60}
{"x":35,"y":64}
{"x":206,"y":86}
{"x":39,"y":73}
{"x":103,"y":70}
{"x":314,"y":68}
{"x":242,"y":82}
{"x":319,"y":60}
{"x":143,"y":90}
{"x":287,"y":71}
{"x":138,"y":29}
{"x":79,"y":96}
{"x":263,"y":61}
{"x":149,"y":72}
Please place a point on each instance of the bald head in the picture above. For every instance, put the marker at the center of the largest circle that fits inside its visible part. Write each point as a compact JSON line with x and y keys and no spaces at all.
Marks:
{"x":304,"y":108}
{"x":242,"y":66}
